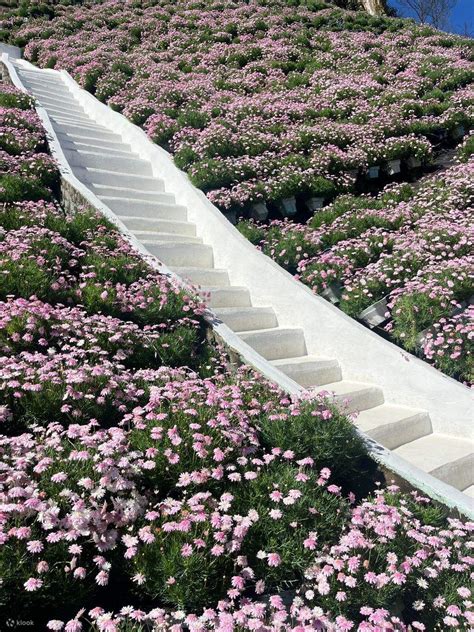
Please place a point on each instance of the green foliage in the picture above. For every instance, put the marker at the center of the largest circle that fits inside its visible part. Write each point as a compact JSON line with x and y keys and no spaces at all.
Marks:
{"x":331,"y":442}
{"x":82,"y":223}
{"x":25,"y":278}
{"x":21,"y":101}
{"x":119,"y":268}
{"x":16,"y":566}
{"x":99,"y":395}
{"x":418,"y":310}
{"x":193,"y":118}
{"x":466,"y":150}
{"x":315,"y":510}
{"x":94,"y":300}
{"x":198,"y":578}
{"x":341,"y":205}
{"x":211,"y":174}
{"x":90,"y":80}
{"x":51,"y":63}
{"x":12,"y":217}
{"x":29,"y":275}
{"x":287,"y":247}
{"x":321,"y":187}
{"x":251,"y":231}
{"x":185,"y":157}
{"x":122,"y":67}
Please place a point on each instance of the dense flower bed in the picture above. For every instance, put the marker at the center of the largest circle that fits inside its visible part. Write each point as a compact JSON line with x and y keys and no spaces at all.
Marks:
{"x":144,"y":482}
{"x":265,"y":101}
{"x":412,"y":248}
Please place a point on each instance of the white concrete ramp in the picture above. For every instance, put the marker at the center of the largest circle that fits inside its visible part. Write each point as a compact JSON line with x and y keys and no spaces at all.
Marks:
{"x":296,"y":332}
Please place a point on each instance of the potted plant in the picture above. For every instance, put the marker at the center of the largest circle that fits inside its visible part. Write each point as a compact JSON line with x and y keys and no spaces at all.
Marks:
{"x":259,"y":211}
{"x":288,"y":206}
{"x":459,"y":131}
{"x":373,"y":172}
{"x":394,"y":149}
{"x":283,"y":190}
{"x":318,"y":190}
{"x":231,"y":216}
{"x":314,"y":203}
{"x":393,"y":166}
{"x":413,"y":162}
{"x":333,"y":292}
{"x":375,"y":314}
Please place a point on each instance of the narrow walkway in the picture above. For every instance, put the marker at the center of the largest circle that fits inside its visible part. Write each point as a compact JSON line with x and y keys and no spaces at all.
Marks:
{"x":125,"y":183}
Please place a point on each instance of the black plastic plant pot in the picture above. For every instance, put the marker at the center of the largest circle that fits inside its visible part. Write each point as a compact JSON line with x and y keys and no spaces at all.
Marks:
{"x":287,"y":206}
{"x":393,"y":166}
{"x":315,"y":203}
{"x":375,"y":314}
{"x":333,"y":292}
{"x":373,"y":172}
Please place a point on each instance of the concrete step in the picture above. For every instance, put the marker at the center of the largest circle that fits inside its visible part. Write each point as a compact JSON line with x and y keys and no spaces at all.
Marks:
{"x":310,"y":370}
{"x":136,"y":194}
{"x":52,"y":80}
{"x":63,"y":109}
{"x":33,"y":72}
{"x":276,"y":343}
{"x":392,"y":426}
{"x":100,"y":137}
{"x":247,"y":318}
{"x":48,"y":88}
{"x":42,"y":81}
{"x":93,"y":175}
{"x":133,"y":166}
{"x":118,"y":150}
{"x":61,"y":100}
{"x":158,"y":225}
{"x":68,"y":118}
{"x":122,"y":203}
{"x":86,"y":125}
{"x":232,"y":296}
{"x":182,"y":254}
{"x":159,"y":212}
{"x":353,"y":396}
{"x":157,"y":237}
{"x":72,"y":119}
{"x":96,"y":143}
{"x":203,"y":276}
{"x":448,"y":458}
{"x":49,"y":101}
{"x":42,"y":90}
{"x":139,"y":208}
{"x":78,"y":128}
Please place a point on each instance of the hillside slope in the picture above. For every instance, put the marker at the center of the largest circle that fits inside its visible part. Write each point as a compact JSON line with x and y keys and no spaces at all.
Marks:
{"x":145,"y":482}
{"x":263,"y":101}
{"x":275,"y":109}
{"x":128,"y":478}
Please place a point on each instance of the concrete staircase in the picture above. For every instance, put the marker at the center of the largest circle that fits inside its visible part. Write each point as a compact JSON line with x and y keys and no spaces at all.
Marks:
{"x":108,"y":166}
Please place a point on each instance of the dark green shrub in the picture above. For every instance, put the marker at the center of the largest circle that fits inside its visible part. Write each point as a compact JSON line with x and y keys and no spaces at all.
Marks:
{"x":15,"y":188}
{"x":331,"y":441}
{"x":251,"y":231}
{"x":21,"y":101}
{"x":202,"y":577}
